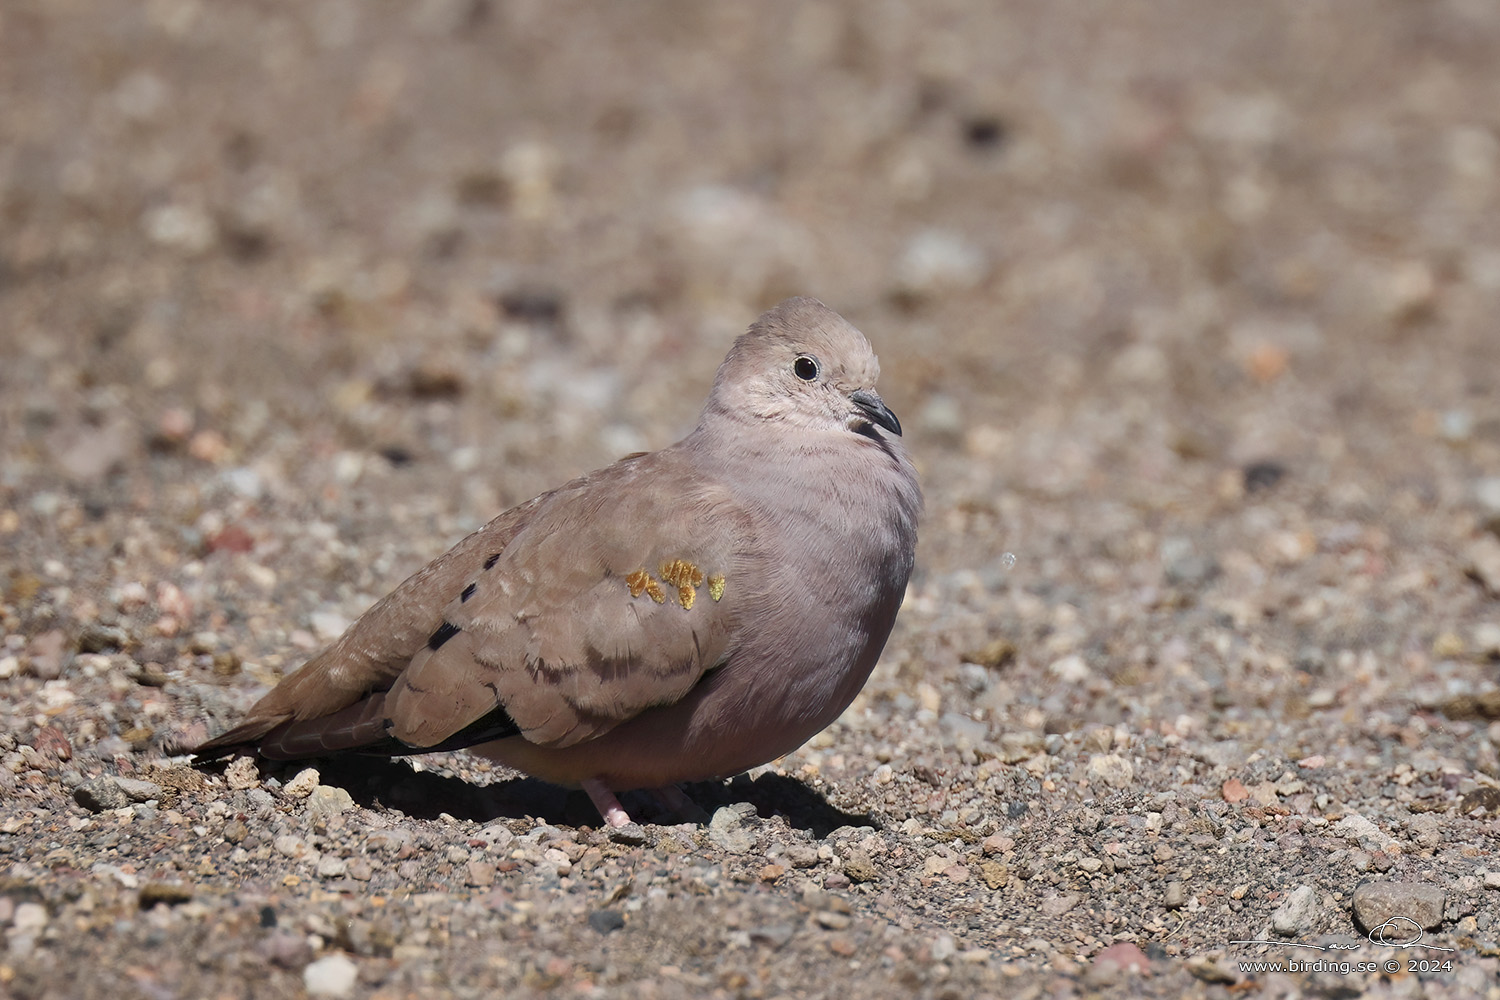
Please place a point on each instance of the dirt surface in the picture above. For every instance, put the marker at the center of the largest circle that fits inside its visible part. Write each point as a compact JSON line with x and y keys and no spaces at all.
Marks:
{"x":1189,"y":311}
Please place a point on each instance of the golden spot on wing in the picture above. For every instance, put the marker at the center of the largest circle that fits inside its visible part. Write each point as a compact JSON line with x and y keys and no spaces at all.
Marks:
{"x":681,"y":573}
{"x":654,"y":591}
{"x":716,"y":586}
{"x":637,"y":582}
{"x":686,"y":596}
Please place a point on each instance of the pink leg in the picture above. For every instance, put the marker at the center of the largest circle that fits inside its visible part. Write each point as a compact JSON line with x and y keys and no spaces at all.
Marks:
{"x":604,"y":800}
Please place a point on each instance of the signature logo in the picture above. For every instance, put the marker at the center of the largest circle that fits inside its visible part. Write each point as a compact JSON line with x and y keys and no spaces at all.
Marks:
{"x":1396,"y":932}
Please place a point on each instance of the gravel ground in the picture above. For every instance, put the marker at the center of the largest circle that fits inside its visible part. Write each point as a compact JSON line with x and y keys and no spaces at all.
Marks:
{"x":1190,"y":314}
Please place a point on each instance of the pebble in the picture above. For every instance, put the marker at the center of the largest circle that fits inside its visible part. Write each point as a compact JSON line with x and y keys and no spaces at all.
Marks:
{"x":1056,"y":906}
{"x":795,"y":855}
{"x":479,"y":874}
{"x":730,"y":828}
{"x":1205,"y":969}
{"x":1070,"y":669}
{"x":1487,"y":639}
{"x":1122,"y":956}
{"x":1377,"y":902}
{"x":331,"y":866}
{"x":630,"y":835}
{"x":939,"y":260}
{"x":242,"y":773}
{"x":1298,"y":913}
{"x":859,"y":867}
{"x":1111,"y":769}
{"x":1176,"y":896}
{"x":302,"y":785}
{"x":138,"y":789}
{"x":29,"y":918}
{"x":1487,"y":492}
{"x":46,"y":654}
{"x":101,"y":794}
{"x":833,"y":920}
{"x":1357,"y":828}
{"x":328,"y":800}
{"x":606,"y":921}
{"x":1492,"y":880}
{"x":1482,"y":562}
{"x":291,"y":846}
{"x":331,"y":976}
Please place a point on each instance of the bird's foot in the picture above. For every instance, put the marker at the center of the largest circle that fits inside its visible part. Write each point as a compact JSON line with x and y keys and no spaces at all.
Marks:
{"x":604,"y":800}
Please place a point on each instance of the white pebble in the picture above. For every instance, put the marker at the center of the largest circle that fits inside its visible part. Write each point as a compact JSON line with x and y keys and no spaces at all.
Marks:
{"x":330,"y":976}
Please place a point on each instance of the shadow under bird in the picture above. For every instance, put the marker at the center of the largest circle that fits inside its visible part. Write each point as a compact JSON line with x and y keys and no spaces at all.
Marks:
{"x":681,"y":615}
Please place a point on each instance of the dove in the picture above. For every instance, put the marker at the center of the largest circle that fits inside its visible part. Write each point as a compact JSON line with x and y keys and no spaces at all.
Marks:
{"x":682,"y":615}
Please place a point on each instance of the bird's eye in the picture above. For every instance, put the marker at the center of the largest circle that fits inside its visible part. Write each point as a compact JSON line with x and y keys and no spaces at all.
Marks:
{"x":805,"y":368}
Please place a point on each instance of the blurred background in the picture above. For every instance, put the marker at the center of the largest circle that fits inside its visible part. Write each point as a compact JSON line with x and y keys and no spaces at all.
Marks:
{"x":1189,"y":311}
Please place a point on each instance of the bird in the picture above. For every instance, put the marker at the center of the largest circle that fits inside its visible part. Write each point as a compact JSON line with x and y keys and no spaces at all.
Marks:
{"x":681,"y":615}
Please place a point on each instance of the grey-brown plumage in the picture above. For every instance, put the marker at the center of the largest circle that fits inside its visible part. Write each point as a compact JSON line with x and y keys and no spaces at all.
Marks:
{"x":681,"y":615}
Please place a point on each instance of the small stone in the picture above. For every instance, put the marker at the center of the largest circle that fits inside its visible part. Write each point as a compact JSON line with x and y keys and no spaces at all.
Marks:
{"x":1492,"y":880}
{"x":361,"y":870}
{"x":242,"y":774}
{"x":1176,"y":896}
{"x":301,"y":786}
{"x":994,"y":874}
{"x":331,"y":976}
{"x":997,"y":843}
{"x":1183,"y":565}
{"x":168,"y":893}
{"x":1056,"y":906}
{"x":1487,"y":639}
{"x":859,"y":867}
{"x":139,"y":790}
{"x":1482,"y":563}
{"x":833,"y":920}
{"x":328,"y":800}
{"x":47,"y":654}
{"x":729,"y":828}
{"x":1359,"y":829}
{"x":1206,"y":970}
{"x":390,"y":841}
{"x":943,"y":948}
{"x":1487,"y":492}
{"x":1427,"y":830}
{"x":1111,"y":769}
{"x":100,"y":794}
{"x":1298,"y":913}
{"x":290,"y":846}
{"x":994,"y":655}
{"x":630,"y":835}
{"x":935,"y":261}
{"x":331,"y":866}
{"x":235,"y":831}
{"x":770,"y":873}
{"x":479,"y":874}
{"x":285,"y":949}
{"x":800,"y":855}
{"x":1122,"y":956}
{"x":1234,"y":791}
{"x":1399,"y":907}
{"x":775,"y":935}
{"x":606,"y":921}
{"x":29,"y":918}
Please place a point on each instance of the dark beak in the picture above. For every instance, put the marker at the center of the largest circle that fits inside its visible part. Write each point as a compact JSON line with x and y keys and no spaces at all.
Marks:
{"x":875,"y":411}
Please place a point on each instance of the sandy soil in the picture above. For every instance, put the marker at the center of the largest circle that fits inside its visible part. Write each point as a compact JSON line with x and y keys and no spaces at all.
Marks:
{"x":1189,"y":311}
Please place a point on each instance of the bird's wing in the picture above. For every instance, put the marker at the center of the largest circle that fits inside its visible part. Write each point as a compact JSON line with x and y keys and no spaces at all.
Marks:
{"x":557,"y":621}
